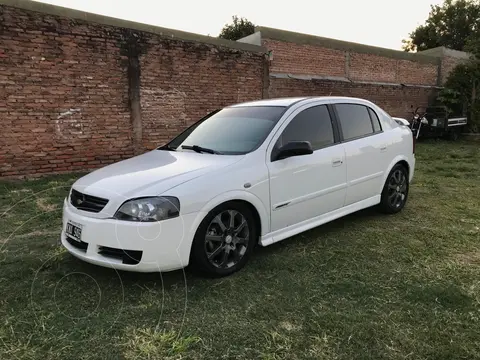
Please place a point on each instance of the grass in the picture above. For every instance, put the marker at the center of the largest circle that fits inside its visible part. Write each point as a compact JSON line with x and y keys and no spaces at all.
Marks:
{"x":367,"y":286}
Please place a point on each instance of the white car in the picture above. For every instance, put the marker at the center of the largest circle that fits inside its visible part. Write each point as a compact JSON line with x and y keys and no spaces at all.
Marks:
{"x":401,"y":121}
{"x":252,"y":173}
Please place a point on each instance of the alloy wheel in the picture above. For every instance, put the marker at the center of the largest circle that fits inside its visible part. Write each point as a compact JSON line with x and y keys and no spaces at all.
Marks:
{"x":226,"y":239}
{"x":397,"y":189}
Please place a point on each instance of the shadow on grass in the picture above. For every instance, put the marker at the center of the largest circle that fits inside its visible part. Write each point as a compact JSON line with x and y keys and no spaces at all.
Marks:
{"x":180,"y":277}
{"x":336,"y":226}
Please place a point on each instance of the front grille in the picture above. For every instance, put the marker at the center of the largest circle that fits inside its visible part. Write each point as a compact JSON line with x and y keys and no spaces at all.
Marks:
{"x":129,"y":257}
{"x":80,"y":245}
{"x":87,"y":202}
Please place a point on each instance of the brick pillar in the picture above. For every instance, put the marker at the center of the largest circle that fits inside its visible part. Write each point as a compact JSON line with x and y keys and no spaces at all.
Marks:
{"x":134,"y":101}
{"x":132,"y":48}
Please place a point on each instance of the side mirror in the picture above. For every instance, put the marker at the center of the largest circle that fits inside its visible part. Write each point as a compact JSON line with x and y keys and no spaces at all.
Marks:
{"x":294,"y":148}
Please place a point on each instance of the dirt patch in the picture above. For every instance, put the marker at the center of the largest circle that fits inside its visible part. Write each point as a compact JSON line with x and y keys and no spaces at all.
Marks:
{"x":44,"y":205}
{"x":38,"y":233}
{"x":20,"y":191}
{"x":33,"y":233}
{"x":286,"y":325}
{"x":470,"y":258}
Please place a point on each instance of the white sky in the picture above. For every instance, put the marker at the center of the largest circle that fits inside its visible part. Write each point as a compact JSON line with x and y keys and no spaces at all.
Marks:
{"x":374,"y":22}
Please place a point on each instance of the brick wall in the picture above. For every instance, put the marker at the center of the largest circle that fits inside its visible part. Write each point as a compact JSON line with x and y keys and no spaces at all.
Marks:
{"x":448,"y":64}
{"x":78,"y":90}
{"x":449,"y":59}
{"x":305,"y":65}
{"x":63,"y":95}
{"x":413,"y":72}
{"x":183,"y":82}
{"x":306,"y":59}
{"x":369,"y":67}
{"x":396,"y":100}
{"x":65,"y":101}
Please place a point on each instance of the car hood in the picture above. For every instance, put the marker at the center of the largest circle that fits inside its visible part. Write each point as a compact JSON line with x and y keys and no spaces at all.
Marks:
{"x":149,"y":174}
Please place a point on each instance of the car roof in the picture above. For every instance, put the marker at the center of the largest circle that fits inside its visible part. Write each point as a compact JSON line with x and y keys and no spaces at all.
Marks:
{"x":288,"y":101}
{"x":271,"y":102}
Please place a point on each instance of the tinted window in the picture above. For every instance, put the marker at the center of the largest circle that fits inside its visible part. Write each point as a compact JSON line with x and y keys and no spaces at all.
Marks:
{"x":355,"y":120}
{"x":236,"y":130}
{"x":313,"y":124}
{"x":375,"y":121}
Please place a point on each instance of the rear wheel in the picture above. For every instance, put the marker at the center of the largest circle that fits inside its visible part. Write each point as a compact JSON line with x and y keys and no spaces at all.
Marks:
{"x":395,"y":190}
{"x":454,"y":134}
{"x":224,"y":240}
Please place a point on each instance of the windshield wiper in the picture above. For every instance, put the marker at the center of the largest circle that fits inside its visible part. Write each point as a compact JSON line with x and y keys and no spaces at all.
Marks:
{"x":167,"y":147}
{"x":200,"y":149}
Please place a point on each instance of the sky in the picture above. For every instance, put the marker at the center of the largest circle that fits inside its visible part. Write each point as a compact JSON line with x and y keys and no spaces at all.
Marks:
{"x":381,"y":23}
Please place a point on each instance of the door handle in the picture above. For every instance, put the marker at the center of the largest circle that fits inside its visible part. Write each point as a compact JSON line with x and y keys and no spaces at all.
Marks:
{"x":383,"y":148}
{"x":337,"y":162}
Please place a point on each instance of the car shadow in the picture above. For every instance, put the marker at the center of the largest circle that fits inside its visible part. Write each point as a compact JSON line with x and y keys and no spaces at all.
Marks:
{"x":135,"y":281}
{"x":335,"y":226}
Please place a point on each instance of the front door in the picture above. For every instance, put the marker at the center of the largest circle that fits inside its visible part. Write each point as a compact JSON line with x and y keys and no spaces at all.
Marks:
{"x":303,"y":187}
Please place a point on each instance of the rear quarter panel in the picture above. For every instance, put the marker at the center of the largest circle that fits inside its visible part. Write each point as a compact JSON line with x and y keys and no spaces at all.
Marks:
{"x":400,"y":149}
{"x":400,"y":144}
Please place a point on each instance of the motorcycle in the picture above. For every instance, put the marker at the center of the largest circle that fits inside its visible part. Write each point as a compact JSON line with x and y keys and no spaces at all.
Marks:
{"x":435,"y":122}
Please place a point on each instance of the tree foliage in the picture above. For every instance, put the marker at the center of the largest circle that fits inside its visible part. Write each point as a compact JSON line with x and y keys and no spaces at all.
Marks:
{"x":461,"y":92}
{"x":239,"y":28}
{"x":452,"y":24}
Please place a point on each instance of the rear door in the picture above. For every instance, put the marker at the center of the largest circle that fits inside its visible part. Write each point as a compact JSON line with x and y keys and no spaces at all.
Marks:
{"x":303,"y":187}
{"x":366,"y":150}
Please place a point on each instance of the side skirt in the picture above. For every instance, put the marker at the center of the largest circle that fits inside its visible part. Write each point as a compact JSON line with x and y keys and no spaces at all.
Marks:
{"x":295,"y":229}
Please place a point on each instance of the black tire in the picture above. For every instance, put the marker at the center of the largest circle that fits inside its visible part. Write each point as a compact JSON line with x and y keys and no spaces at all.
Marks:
{"x":454,"y":135}
{"x":395,"y":190}
{"x":233,"y":251}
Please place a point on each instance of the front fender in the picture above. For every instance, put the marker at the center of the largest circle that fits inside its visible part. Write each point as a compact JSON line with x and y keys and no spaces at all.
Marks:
{"x":236,"y":195}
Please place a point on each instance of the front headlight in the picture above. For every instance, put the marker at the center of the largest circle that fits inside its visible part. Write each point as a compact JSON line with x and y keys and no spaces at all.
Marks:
{"x":149,"y":209}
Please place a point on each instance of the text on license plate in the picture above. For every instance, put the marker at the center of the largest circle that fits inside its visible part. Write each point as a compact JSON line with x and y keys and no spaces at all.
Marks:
{"x":74,"y":230}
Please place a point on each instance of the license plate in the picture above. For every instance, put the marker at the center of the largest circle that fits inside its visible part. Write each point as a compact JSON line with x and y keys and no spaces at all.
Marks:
{"x":74,"y":230}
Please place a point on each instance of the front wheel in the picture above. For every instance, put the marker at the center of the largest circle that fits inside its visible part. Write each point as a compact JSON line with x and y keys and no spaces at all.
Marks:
{"x":395,"y":190}
{"x":224,"y":240}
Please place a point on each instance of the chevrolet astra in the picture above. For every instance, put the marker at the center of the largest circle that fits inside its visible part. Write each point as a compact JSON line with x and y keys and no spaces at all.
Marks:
{"x":249,"y":174}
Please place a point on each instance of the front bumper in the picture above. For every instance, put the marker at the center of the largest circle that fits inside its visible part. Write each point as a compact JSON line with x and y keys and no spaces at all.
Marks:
{"x":131,"y":246}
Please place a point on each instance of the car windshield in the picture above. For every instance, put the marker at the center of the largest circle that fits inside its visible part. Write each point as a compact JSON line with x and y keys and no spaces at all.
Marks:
{"x":230,"y":131}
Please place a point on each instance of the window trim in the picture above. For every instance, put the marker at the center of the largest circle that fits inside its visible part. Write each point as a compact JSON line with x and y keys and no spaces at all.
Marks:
{"x":370,"y":111}
{"x":335,"y":129}
{"x":337,"y":118}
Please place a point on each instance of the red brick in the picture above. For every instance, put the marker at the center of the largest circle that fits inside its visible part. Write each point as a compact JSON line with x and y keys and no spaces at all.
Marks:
{"x":293,"y":58}
{"x":40,"y":81}
{"x":396,"y":100}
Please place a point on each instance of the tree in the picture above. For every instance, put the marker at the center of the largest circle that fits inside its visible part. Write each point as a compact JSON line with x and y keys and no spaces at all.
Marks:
{"x":240,"y":28}
{"x":451,"y":24}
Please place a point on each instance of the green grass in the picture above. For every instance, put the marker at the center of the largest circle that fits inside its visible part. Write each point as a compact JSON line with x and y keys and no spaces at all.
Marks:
{"x":367,"y":286}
